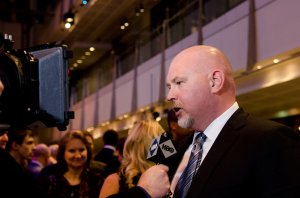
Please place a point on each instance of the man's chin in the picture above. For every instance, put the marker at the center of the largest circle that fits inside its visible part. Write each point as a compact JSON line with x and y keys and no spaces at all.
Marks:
{"x":185,"y":122}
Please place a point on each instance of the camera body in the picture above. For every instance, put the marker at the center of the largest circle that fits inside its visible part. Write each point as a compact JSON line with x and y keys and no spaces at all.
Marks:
{"x":36,"y":86}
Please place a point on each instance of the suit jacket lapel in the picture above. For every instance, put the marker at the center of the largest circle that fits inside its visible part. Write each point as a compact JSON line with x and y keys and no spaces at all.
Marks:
{"x":225,"y":139}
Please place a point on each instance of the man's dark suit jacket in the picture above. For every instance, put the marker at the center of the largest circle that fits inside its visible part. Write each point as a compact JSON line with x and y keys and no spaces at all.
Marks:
{"x":250,"y":158}
{"x":108,"y":157}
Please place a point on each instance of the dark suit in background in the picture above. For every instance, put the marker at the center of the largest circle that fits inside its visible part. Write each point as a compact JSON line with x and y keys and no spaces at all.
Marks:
{"x":15,"y":181}
{"x":109,"y":154}
{"x":109,"y":157}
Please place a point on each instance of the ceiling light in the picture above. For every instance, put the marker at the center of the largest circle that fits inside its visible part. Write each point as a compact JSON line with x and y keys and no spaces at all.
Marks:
{"x":87,"y":53}
{"x":69,"y":19}
{"x":79,"y":61}
{"x":92,"y":49}
{"x":124,"y":24}
{"x":137,"y":12}
{"x":276,"y":61}
{"x":90,"y":129}
{"x":68,"y":25}
{"x":142,"y":8}
{"x":126,"y":116}
{"x":282,"y":114}
{"x":84,"y":2}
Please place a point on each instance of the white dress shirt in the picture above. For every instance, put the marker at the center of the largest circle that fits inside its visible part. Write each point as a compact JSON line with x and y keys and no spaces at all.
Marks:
{"x":109,"y":147}
{"x":211,"y":132}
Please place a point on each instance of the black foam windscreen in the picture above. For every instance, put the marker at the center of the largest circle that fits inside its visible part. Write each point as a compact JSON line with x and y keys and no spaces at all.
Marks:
{"x":161,"y":149}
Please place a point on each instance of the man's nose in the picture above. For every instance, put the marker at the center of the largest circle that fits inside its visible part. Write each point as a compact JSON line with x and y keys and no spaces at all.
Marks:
{"x":5,"y":137}
{"x":170,"y":95}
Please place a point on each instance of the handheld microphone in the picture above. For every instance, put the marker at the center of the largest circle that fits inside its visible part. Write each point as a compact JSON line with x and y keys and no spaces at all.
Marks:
{"x":161,"y":149}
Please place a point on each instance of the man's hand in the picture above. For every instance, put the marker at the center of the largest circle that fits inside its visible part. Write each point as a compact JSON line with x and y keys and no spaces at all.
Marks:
{"x":155,"y":181}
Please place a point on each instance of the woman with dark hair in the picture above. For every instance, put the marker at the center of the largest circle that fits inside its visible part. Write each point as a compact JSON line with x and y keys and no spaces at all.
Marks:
{"x":71,"y":176}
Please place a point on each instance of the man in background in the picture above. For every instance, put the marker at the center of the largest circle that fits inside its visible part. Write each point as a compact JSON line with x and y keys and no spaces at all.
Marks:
{"x":53,"y":148}
{"x":3,"y":138}
{"x":108,"y":154}
{"x":16,"y":180}
{"x":39,"y":160}
{"x":21,"y":145}
{"x":94,"y":165}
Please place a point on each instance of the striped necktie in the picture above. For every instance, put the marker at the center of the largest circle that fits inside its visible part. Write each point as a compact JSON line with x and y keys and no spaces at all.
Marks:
{"x":190,"y":170}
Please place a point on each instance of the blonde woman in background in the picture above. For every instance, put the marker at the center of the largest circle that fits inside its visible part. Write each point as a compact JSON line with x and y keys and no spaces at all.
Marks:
{"x":134,"y":161}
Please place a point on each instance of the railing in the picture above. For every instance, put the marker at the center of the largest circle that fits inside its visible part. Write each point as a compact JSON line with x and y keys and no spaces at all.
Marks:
{"x":178,"y":27}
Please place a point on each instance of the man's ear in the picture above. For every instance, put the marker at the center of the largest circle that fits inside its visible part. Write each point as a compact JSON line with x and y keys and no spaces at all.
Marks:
{"x":216,"y":81}
{"x":14,"y":146}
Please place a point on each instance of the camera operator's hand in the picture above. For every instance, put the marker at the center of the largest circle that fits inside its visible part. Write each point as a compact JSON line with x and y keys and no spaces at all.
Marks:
{"x":1,"y":87}
{"x":155,"y":181}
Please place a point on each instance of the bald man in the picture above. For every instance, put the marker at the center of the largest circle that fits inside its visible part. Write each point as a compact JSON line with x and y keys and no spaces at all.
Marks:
{"x":238,"y":155}
{"x":241,"y":156}
{"x":40,"y":159}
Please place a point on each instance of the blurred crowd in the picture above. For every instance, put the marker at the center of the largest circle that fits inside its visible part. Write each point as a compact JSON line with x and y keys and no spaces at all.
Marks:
{"x":71,"y":167}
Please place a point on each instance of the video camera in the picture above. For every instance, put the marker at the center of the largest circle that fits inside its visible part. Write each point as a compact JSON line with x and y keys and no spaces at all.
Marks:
{"x":36,"y":86}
